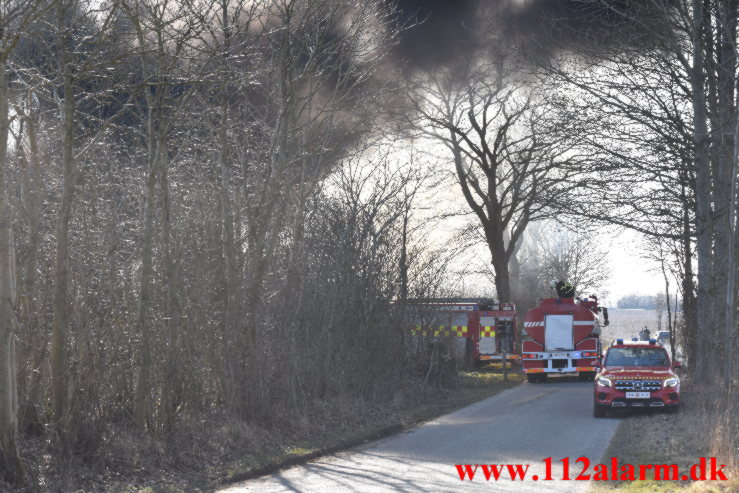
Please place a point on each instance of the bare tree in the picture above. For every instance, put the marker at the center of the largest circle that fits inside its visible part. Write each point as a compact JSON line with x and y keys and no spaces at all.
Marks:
{"x":510,"y":158}
{"x":553,"y":252}
{"x":163,"y":32}
{"x":77,"y":32}
{"x":32,"y":410}
{"x":670,"y":100}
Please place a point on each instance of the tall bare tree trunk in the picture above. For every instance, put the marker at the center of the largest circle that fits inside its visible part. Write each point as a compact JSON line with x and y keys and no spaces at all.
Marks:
{"x":154,"y":136}
{"x":688,"y":284}
{"x":731,"y":338}
{"x":404,"y":255}
{"x":704,"y":226}
{"x":232,"y":338}
{"x":11,"y":469}
{"x":171,"y":309}
{"x":726,"y":181}
{"x":495,"y":236}
{"x":141,"y":397}
{"x":60,"y":328}
{"x":31,"y":415}
{"x":670,"y":327}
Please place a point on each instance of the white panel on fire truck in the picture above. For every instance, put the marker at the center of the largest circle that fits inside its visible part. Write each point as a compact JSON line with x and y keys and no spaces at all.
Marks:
{"x":487,"y":345}
{"x":487,"y":342}
{"x":558,"y":332}
{"x":460,"y":320}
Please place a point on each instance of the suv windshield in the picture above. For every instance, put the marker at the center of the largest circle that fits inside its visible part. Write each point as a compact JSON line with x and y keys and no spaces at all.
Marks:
{"x":637,"y":356}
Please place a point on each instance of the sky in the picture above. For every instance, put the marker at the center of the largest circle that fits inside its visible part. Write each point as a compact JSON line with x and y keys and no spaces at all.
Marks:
{"x":630,"y":272}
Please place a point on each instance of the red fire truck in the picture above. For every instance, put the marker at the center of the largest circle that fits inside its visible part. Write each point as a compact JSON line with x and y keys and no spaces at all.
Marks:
{"x":484,"y":330}
{"x":562,"y":337}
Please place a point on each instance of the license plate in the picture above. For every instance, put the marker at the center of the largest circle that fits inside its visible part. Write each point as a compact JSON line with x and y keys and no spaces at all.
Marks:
{"x":559,"y":355}
{"x":637,"y":395}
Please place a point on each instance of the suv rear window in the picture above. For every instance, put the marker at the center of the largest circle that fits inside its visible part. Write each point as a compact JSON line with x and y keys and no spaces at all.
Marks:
{"x":637,"y":356}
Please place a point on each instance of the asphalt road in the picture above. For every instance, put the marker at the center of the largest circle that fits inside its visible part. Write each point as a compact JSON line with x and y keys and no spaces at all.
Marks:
{"x":523,"y":425}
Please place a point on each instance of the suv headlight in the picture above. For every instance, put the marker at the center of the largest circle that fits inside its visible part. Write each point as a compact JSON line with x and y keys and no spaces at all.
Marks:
{"x":671,"y":382}
{"x":604,"y":382}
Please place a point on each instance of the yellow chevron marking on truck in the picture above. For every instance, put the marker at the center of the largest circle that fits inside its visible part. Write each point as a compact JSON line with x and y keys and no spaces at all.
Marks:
{"x":487,"y":331}
{"x":442,"y":331}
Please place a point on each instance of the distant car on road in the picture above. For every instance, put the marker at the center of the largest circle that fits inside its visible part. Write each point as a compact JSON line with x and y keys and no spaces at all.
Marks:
{"x":663,"y":336}
{"x":636,"y":374}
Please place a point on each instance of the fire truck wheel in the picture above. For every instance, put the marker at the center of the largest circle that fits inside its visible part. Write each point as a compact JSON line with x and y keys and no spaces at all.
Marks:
{"x":599,"y":411}
{"x":586,"y":376}
{"x":532,"y":378}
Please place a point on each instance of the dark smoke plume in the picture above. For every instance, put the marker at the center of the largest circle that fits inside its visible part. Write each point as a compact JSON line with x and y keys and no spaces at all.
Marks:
{"x":440,"y":30}
{"x":444,"y":30}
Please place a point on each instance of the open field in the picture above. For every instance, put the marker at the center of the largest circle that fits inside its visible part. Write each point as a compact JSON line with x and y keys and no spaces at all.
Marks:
{"x":626,"y":323}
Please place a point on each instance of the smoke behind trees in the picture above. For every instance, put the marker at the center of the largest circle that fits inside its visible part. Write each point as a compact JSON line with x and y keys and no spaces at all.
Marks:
{"x":440,"y":32}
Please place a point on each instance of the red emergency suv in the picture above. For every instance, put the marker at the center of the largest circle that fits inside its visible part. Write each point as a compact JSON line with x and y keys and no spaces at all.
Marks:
{"x":636,"y":374}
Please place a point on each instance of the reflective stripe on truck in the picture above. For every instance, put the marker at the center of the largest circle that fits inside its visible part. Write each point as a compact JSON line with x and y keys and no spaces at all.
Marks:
{"x":558,"y":370}
{"x":559,"y":355}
